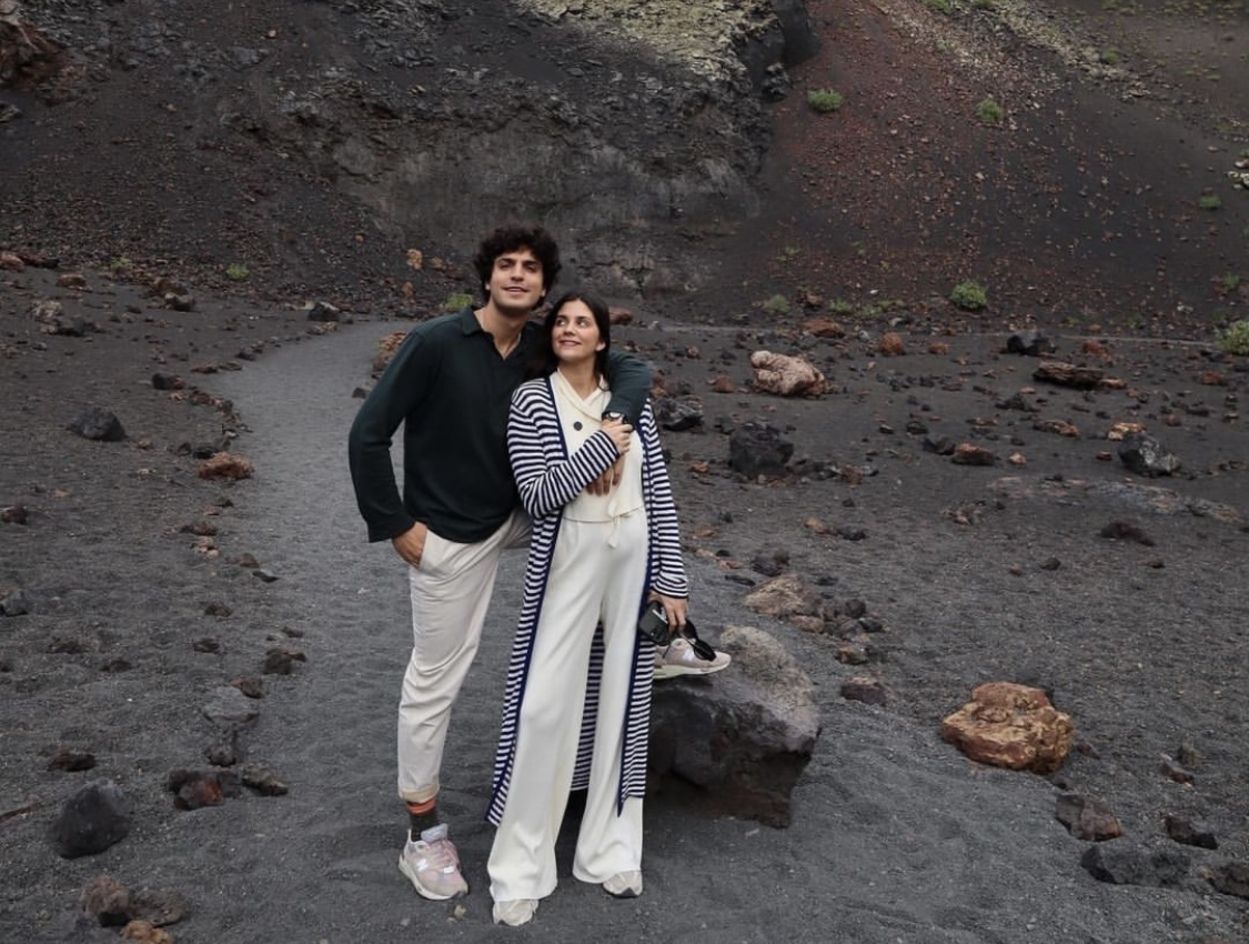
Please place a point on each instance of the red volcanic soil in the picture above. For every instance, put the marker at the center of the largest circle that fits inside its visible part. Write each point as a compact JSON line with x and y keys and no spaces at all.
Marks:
{"x":1079,"y":205}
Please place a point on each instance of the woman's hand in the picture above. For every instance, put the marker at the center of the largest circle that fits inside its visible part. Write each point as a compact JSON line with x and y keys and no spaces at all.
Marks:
{"x":676,"y":609}
{"x":619,"y":431}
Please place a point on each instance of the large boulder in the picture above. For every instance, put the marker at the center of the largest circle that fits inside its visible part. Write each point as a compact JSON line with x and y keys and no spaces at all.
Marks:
{"x":787,"y":376}
{"x":744,"y":735}
{"x":1010,"y":725}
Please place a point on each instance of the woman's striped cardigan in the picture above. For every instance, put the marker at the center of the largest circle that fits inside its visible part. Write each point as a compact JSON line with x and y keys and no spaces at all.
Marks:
{"x":548,"y":478}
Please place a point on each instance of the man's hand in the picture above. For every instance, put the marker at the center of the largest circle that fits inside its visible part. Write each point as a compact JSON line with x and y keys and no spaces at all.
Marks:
{"x":608,"y":480}
{"x":676,"y":609}
{"x":411,"y":544}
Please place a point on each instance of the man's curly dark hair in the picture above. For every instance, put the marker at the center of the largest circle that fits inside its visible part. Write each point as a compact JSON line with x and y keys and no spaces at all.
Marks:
{"x":511,"y":238}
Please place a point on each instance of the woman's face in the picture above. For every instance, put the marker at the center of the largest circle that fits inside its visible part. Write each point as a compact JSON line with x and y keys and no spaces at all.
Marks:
{"x":575,"y":336}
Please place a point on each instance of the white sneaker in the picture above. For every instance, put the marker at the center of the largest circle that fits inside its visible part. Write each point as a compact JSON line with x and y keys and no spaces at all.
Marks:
{"x":624,"y":885}
{"x":433,"y":865}
{"x":681,"y":657}
{"x":514,"y":913}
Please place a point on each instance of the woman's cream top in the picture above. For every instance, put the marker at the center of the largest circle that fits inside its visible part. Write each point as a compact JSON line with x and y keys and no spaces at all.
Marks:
{"x":580,"y":418}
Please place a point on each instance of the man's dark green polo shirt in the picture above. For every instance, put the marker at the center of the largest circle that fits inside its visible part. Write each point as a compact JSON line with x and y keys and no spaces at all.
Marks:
{"x":451,"y":390}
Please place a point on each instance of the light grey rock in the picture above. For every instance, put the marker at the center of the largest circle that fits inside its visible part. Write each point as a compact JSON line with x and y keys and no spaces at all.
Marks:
{"x":230,"y":706}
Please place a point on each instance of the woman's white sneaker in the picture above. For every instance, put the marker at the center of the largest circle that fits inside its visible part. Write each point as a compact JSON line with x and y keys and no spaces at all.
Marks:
{"x":514,"y":913}
{"x":624,"y":885}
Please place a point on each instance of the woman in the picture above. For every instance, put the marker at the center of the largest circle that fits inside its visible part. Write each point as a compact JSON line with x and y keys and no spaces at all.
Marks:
{"x":578,"y":700}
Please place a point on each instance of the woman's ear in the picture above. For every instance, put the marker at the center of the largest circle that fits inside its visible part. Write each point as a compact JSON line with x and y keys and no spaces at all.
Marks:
{"x":602,"y":346}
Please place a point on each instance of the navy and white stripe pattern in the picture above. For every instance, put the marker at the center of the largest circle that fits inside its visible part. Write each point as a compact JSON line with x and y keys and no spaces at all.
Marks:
{"x":548,"y":478}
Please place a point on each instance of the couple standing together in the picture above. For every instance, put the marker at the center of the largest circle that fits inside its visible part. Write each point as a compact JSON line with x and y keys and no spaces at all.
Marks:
{"x":492,"y":461}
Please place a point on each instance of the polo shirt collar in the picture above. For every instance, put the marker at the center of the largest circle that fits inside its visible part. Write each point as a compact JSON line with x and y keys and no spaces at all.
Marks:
{"x":468,"y":321}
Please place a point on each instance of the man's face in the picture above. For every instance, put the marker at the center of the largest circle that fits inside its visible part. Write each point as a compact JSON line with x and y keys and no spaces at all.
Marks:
{"x":515,"y":284}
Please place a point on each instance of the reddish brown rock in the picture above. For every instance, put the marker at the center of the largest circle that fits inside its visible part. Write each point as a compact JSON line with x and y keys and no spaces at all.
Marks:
{"x":1058,"y":427}
{"x":722,"y":383}
{"x":1069,"y":375}
{"x":784,"y":597}
{"x":938,"y":347}
{"x":144,"y":932}
{"x":864,"y":688}
{"x":11,"y":262}
{"x":71,"y":280}
{"x":1086,"y":818}
{"x":386,"y":348}
{"x":226,"y":465}
{"x":967,"y":454}
{"x":824,"y":328}
{"x":107,"y":900}
{"x":786,"y":376}
{"x":619,"y":316}
{"x":891,"y":344}
{"x":1010,"y":725}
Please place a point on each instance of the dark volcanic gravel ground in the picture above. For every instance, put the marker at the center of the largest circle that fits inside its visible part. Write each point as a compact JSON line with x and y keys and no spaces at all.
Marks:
{"x":895,"y":835}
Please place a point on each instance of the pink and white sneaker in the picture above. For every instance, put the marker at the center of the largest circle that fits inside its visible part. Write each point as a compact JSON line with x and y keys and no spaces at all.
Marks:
{"x":433,"y":865}
{"x":683,"y":657}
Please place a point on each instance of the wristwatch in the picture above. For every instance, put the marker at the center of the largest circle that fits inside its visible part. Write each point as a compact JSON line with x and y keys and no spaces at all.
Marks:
{"x":615,"y":415}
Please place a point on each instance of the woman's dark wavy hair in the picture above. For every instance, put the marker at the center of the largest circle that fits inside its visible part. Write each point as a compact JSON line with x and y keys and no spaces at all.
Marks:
{"x":544,"y":360}
{"x":511,"y":238}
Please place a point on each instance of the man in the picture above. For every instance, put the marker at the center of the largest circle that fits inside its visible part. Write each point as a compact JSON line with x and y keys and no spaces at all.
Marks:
{"x":450,"y":384}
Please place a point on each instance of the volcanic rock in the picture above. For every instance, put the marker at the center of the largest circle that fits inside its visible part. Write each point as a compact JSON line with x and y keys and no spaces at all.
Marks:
{"x":744,"y":736}
{"x":678,"y":414}
{"x":969,"y":454}
{"x":1184,"y":830}
{"x":144,"y":932}
{"x":891,"y":344}
{"x":786,"y":376}
{"x":1031,"y":343}
{"x":281,"y":661}
{"x":159,"y":906}
{"x":1010,"y":725}
{"x":229,"y":706}
{"x":1231,"y":878}
{"x":15,"y":604}
{"x":14,"y":514}
{"x":1126,"y":863}
{"x":1069,"y":375}
{"x":942,"y":445}
{"x":1125,"y":531}
{"x":97,"y":424}
{"x":167,"y":382}
{"x":1086,"y":818}
{"x":71,"y":760}
{"x":1059,"y":427}
{"x":106,"y":900}
{"x":824,"y":328}
{"x":325,"y":312}
{"x":864,"y":688}
{"x":263,"y":780}
{"x":94,"y":818}
{"x":758,"y":449}
{"x":785,"y":597}
{"x":225,"y":465}
{"x":1144,"y":455}
{"x":193,"y":789}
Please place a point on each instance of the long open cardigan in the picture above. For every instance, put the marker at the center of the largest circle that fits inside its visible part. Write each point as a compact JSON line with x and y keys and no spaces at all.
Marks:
{"x":548,"y":478}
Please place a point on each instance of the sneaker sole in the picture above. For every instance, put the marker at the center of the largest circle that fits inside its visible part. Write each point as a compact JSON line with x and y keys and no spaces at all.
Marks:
{"x":674,"y":671}
{"x":421,"y":889}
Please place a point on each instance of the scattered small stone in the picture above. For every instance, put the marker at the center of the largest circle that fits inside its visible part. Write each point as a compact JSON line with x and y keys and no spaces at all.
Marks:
{"x":1184,"y":830}
{"x":677,"y":414}
{"x":263,"y":575}
{"x":824,"y":328}
{"x":116,"y":665}
{"x":176,"y":301}
{"x":159,"y":906}
{"x":229,"y":706}
{"x":854,"y":608}
{"x":619,"y":316}
{"x":144,"y":932}
{"x":1017,"y":402}
{"x":281,"y":661}
{"x":942,"y":446}
{"x":75,"y":280}
{"x":106,"y":900}
{"x":815,"y":526}
{"x":1069,"y":375}
{"x":250,"y":685}
{"x":97,"y":424}
{"x":785,"y":597}
{"x":1144,"y":455}
{"x":1119,"y":431}
{"x":852,"y":653}
{"x":200,"y":528}
{"x":847,"y":533}
{"x":938,"y":347}
{"x":891,"y":344}
{"x":248,"y":561}
{"x":1087,"y":818}
{"x":15,"y":604}
{"x":225,"y":752}
{"x":207,"y":644}
{"x":1017,"y":459}
{"x":219,"y":610}
{"x":865,"y":689}
{"x":14,"y":514}
{"x":1231,"y":878}
{"x":194,"y":789}
{"x":770,"y":563}
{"x":970,"y":454}
{"x":167,"y":382}
{"x":263,"y":780}
{"x":1031,"y":343}
{"x":325,"y":312}
{"x":1173,"y":771}
{"x":70,"y":760}
{"x":10,"y":261}
{"x":225,"y":465}
{"x":1188,"y":755}
{"x":758,"y":449}
{"x":1125,"y":863}
{"x":94,"y":818}
{"x":1051,"y":563}
{"x":1059,"y":427}
{"x":1125,"y":531}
